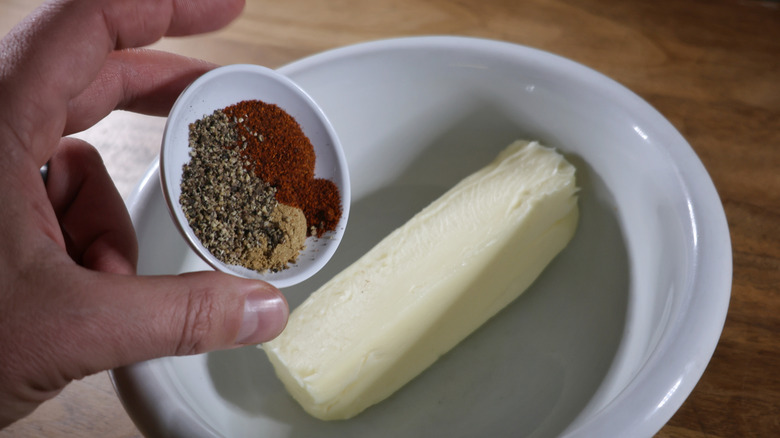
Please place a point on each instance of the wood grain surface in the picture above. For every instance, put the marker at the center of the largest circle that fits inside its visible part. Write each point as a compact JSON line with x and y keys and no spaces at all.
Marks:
{"x":711,"y":67}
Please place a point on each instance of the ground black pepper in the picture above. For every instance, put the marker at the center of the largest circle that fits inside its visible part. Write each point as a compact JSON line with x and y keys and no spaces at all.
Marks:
{"x":228,"y":208}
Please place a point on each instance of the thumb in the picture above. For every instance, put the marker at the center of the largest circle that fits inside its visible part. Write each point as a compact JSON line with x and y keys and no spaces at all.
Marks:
{"x":139,"y":318}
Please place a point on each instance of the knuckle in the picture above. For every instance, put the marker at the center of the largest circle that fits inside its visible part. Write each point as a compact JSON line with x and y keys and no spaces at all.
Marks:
{"x":199,"y":323}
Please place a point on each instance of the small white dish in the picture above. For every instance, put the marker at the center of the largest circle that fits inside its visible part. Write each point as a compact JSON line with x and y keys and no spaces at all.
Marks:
{"x":229,"y":85}
{"x":610,"y":339}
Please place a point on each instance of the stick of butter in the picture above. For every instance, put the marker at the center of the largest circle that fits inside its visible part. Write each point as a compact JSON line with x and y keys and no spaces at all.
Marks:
{"x":425,"y":287}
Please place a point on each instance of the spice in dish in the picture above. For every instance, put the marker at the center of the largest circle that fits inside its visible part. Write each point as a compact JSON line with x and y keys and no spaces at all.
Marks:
{"x":249,"y":191}
{"x":282,"y":155}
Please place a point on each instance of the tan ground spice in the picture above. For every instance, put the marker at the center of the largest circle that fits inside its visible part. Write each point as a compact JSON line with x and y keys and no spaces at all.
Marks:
{"x":292,"y":222}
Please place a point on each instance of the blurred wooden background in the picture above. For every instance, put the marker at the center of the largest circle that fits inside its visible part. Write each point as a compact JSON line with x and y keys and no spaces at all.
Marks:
{"x":711,"y":67}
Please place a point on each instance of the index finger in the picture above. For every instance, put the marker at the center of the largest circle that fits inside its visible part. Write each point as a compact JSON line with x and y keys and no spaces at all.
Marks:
{"x":52,"y":56}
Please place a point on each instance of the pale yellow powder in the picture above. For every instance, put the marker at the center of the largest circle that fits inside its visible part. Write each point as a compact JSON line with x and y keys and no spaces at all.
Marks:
{"x":292,"y":222}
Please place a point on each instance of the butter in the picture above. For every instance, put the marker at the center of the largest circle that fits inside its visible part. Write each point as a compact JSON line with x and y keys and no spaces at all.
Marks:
{"x":429,"y":284}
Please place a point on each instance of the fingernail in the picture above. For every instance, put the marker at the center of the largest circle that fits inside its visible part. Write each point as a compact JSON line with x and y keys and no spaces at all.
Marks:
{"x":265,"y":316}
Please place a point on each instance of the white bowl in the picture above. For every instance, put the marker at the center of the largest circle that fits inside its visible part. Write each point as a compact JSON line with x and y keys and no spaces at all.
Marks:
{"x":608,"y":342}
{"x":229,"y":85}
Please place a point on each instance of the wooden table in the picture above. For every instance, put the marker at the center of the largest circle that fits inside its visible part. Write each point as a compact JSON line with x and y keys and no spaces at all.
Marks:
{"x":711,"y":67}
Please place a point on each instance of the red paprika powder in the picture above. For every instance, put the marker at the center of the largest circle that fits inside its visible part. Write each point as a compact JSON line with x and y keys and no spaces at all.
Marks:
{"x":282,"y":156}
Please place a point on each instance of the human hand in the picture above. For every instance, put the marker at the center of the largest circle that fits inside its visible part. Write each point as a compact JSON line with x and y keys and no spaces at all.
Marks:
{"x":70,"y":302}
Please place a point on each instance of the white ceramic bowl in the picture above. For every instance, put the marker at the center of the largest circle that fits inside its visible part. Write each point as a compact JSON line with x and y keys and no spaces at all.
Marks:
{"x":608,"y":342}
{"x":229,"y":85}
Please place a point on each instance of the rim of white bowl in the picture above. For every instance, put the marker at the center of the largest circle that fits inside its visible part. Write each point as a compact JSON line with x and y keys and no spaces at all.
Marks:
{"x":657,"y":392}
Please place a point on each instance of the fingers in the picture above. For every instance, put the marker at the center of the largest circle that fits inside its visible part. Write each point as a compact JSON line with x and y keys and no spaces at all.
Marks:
{"x":57,"y":52}
{"x":94,"y":221}
{"x":140,"y":318}
{"x":202,"y":16}
{"x":143,"y":81}
{"x":113,"y":320}
{"x":82,"y":322}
